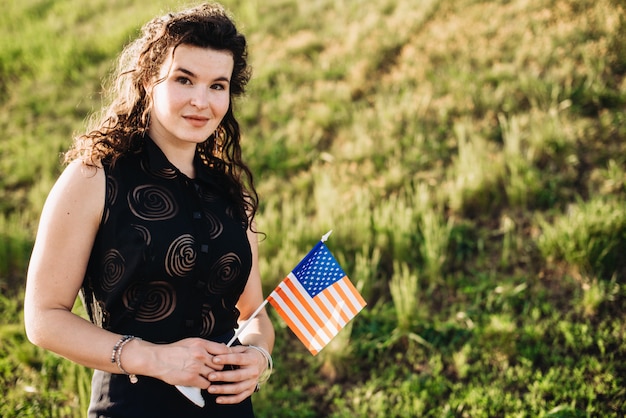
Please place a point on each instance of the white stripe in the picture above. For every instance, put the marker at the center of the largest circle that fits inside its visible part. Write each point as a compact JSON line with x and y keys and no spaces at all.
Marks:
{"x":336,"y":315}
{"x":292,"y":317}
{"x":311,"y":306}
{"x":331,"y":308}
{"x":337,"y":296}
{"x":352,"y":300}
{"x":303,"y":310}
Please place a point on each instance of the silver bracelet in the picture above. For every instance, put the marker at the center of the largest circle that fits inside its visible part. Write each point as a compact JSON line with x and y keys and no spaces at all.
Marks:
{"x":116,"y":356}
{"x":264,"y":377}
{"x":116,"y":347}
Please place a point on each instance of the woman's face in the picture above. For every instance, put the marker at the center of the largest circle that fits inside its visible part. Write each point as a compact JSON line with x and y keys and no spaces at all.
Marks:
{"x":190,"y":102}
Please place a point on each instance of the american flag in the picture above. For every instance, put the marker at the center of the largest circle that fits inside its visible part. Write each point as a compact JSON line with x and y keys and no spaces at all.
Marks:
{"x":316,"y":299}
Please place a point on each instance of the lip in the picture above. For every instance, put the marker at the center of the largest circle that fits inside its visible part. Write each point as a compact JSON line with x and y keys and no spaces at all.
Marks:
{"x":196,"y":120}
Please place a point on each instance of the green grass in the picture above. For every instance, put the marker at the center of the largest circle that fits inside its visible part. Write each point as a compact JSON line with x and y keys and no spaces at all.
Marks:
{"x":469,"y":155}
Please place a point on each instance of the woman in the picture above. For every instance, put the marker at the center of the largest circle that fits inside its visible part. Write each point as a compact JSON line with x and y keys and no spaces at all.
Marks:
{"x":152,"y":223}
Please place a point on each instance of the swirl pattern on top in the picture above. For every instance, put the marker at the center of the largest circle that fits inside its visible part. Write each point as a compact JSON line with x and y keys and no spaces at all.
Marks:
{"x":113,"y":267}
{"x":111,"y":190}
{"x":144,"y":232}
{"x":215,"y":226}
{"x":152,"y":203}
{"x":208,"y":321}
{"x":159,"y":301}
{"x":111,"y":196}
{"x":181,"y":256}
{"x":164,"y":172}
{"x":232,"y":213}
{"x":207,"y":196}
{"x":224,"y":272}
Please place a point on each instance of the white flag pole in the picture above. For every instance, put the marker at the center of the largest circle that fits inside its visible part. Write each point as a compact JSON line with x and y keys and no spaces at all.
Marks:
{"x":245,"y":324}
{"x":194,"y":394}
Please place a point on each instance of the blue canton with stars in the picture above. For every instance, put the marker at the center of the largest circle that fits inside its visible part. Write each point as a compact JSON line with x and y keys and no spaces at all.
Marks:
{"x":318,"y":270}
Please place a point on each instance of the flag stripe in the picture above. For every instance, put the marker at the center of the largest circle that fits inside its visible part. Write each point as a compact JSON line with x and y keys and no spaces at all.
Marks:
{"x":305,"y":305}
{"x":284,"y":309}
{"x":290,"y":297}
{"x":327,"y":313}
{"x":295,"y":309}
{"x":337,"y":291}
{"x":346,"y":293}
{"x":295,"y":326}
{"x":355,"y":296}
{"x":322,"y":303}
{"x":338,"y":320}
{"x":332,"y":297}
{"x":292,"y":321}
{"x":334,"y":324}
{"x":297,"y":314}
{"x":329,"y":300}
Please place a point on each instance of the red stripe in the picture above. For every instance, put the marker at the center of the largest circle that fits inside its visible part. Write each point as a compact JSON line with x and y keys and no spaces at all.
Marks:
{"x":287,"y":318}
{"x":342,"y":288}
{"x":335,"y":303}
{"x":306,"y":302}
{"x":294,"y":311}
{"x":355,"y":293}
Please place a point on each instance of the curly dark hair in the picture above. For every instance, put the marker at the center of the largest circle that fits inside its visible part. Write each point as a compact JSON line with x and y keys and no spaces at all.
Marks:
{"x":121,"y":125}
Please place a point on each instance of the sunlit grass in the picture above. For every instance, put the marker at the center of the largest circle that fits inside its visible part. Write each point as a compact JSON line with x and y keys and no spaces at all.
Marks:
{"x":590,"y":236}
{"x":469,"y":157}
{"x":403,"y":287}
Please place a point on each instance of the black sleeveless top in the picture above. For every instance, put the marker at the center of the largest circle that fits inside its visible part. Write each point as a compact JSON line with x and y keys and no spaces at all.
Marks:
{"x":170,"y":260}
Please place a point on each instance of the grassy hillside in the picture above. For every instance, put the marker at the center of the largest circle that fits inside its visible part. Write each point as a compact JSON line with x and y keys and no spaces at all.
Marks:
{"x":469,"y":155}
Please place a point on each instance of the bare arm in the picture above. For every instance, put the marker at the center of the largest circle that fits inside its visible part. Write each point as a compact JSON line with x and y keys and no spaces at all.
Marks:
{"x":67,"y":229}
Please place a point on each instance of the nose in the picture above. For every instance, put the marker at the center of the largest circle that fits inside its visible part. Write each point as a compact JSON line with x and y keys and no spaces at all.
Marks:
{"x":200,"y":98}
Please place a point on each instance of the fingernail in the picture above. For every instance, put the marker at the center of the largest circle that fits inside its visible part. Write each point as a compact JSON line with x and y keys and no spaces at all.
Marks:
{"x":217,"y":360}
{"x":212,"y":376}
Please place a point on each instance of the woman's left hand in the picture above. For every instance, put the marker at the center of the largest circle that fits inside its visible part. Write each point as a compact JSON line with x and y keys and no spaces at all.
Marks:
{"x":237,"y":384}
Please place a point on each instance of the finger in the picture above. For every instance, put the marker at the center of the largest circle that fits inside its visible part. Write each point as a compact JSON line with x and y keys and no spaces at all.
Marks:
{"x":230,"y":376}
{"x":232,"y":392}
{"x":201,"y":354}
{"x":206,"y":372}
{"x":216,"y":348}
{"x":233,"y":399}
{"x":241,"y":358}
{"x":211,"y":364}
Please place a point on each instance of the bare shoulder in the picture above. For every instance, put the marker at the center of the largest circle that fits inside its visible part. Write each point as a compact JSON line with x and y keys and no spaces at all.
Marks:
{"x":84,"y":170}
{"x":81,"y":171}
{"x":80,"y":190}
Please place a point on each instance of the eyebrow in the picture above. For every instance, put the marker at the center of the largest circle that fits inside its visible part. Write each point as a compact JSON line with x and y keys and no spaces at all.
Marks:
{"x":191,"y":74}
